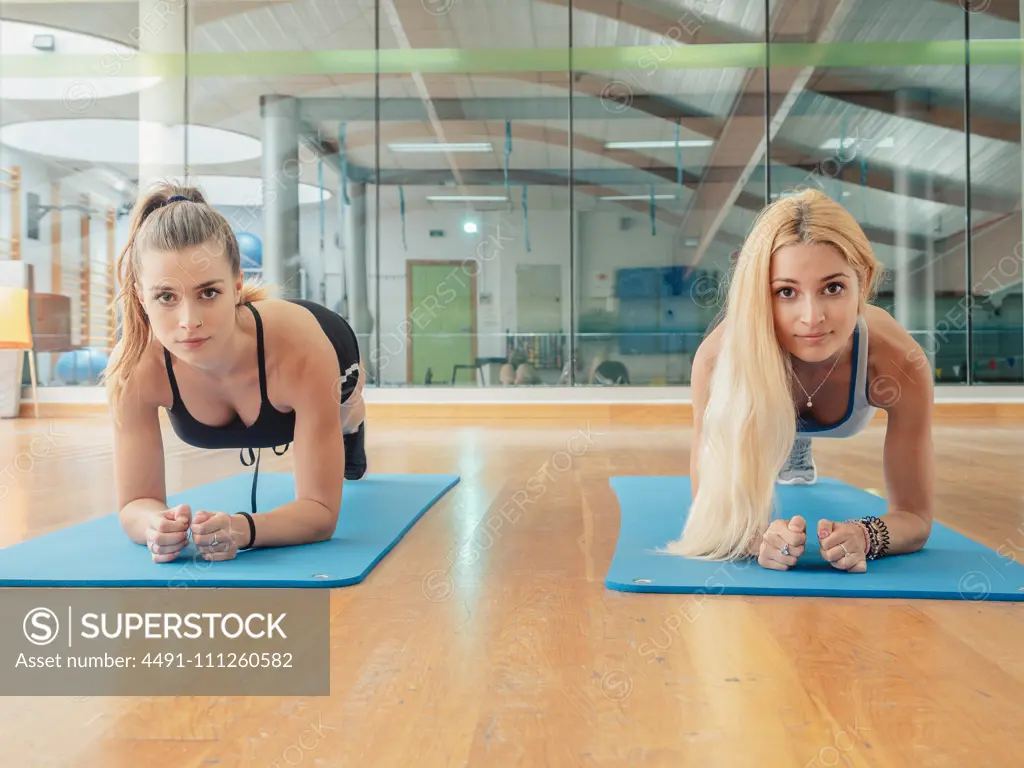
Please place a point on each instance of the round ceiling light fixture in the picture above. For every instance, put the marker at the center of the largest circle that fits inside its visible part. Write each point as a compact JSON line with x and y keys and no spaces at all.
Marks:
{"x":232,"y":191}
{"x":116,"y":141}
{"x":80,"y":91}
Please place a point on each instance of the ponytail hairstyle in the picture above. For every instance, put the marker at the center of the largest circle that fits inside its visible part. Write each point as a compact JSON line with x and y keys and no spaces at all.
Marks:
{"x":168,"y":217}
{"x":749,"y":423}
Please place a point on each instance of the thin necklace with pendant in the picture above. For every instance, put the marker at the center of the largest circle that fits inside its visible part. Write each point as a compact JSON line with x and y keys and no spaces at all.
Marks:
{"x":812,"y":394}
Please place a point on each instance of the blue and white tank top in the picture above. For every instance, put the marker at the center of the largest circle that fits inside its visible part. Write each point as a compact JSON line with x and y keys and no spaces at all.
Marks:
{"x":859,"y":410}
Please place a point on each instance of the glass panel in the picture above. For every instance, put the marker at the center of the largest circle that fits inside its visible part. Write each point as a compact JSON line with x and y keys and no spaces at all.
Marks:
{"x":887,"y":141}
{"x":668,"y":166}
{"x":299,"y":229}
{"x":472,"y":264}
{"x":71,"y":94}
{"x":997,"y":326}
{"x":880,"y":125}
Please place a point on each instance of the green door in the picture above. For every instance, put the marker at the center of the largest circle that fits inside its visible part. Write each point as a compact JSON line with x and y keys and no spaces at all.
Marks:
{"x":441,"y":322}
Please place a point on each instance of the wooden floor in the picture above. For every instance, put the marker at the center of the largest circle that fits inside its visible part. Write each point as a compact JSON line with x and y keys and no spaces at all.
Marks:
{"x":517,"y":655}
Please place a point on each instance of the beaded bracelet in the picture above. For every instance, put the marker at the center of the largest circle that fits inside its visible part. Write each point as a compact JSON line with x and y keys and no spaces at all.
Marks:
{"x":878,"y":535}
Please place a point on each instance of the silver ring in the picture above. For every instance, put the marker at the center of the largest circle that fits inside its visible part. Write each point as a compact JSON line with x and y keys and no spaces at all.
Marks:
{"x":785,"y":549}
{"x":845,"y":550}
{"x":214,"y":542}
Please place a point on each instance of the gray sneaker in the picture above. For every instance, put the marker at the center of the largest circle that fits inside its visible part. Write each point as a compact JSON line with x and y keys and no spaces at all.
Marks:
{"x":799,"y":468}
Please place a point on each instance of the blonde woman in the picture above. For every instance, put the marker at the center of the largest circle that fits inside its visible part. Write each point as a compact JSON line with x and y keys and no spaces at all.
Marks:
{"x":801,"y":353}
{"x":233,"y":368}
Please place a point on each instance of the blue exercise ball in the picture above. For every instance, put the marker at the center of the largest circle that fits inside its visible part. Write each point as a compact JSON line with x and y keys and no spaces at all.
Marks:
{"x":82,"y":366}
{"x":251,"y":248}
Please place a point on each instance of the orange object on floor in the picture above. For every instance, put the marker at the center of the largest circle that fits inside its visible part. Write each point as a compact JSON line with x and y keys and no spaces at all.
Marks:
{"x":16,"y":329}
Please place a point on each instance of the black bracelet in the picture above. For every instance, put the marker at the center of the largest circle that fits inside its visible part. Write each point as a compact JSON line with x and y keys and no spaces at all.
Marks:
{"x":252,"y":530}
{"x":878,"y":532}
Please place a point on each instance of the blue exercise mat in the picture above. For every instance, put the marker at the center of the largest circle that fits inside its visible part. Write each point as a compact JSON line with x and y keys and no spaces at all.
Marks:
{"x":375,"y":513}
{"x":653,"y":512}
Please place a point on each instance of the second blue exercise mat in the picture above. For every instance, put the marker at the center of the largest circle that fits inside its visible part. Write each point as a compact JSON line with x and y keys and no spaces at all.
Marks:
{"x":375,"y":513}
{"x":653,"y":512}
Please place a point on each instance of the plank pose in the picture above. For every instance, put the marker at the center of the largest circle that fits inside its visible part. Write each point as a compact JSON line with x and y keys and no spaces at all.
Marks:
{"x":800,"y":353}
{"x":234,"y":368}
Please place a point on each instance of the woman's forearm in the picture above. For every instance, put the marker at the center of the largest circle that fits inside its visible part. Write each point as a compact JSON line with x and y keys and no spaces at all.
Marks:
{"x":298,"y":522}
{"x":135,"y":517}
{"x":907,"y":531}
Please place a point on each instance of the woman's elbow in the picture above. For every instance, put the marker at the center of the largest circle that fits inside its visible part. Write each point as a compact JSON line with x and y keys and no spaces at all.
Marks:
{"x":921,"y":535}
{"x":926,"y":533}
{"x":326,"y":526}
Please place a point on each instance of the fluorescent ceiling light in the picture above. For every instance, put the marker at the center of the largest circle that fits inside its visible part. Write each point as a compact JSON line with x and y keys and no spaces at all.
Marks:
{"x":440,"y":147}
{"x":669,"y":144}
{"x":466,"y":198}
{"x":44,"y":42}
{"x":96,"y":81}
{"x":247,"y":191}
{"x":866,"y":143}
{"x":116,"y":141}
{"x":636,"y":197}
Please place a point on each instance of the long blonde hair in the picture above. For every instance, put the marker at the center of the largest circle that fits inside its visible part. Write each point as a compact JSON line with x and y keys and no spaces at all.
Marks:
{"x":157,"y":225}
{"x":749,"y":424}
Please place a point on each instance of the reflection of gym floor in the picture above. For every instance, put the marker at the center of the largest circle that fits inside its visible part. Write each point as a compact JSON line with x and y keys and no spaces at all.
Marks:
{"x":487,"y":636}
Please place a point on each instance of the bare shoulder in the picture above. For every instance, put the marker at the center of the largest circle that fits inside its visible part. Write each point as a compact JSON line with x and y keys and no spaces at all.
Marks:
{"x":294,"y":332}
{"x":149,"y":385}
{"x":897,"y":363}
{"x":299,"y":354}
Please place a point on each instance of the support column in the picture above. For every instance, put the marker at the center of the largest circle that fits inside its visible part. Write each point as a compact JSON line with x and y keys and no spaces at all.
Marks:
{"x":901,"y":240}
{"x":925,"y":288}
{"x":355,"y":270}
{"x":162,"y":108}
{"x":281,"y":170}
{"x":914,"y":283}
{"x":928,"y":301}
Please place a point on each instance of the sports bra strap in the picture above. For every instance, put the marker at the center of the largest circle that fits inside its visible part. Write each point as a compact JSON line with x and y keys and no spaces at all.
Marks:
{"x":170,"y":376}
{"x":260,"y":353}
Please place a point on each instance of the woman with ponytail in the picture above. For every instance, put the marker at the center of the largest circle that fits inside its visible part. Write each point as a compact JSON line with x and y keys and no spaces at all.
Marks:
{"x":233,"y":368}
{"x":799,"y":352}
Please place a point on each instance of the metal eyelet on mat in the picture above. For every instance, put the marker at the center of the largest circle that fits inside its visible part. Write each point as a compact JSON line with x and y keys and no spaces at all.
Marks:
{"x":321,"y":575}
{"x":641,"y":581}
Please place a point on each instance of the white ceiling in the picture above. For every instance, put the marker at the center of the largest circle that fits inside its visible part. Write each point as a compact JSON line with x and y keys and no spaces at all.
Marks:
{"x":232,"y":104}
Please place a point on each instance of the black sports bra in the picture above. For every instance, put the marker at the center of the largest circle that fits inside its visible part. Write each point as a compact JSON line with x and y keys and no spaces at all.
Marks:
{"x":271,"y":429}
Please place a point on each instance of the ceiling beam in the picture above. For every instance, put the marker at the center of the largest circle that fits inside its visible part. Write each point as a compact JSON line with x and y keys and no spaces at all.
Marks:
{"x":928,"y":109}
{"x":393,"y":17}
{"x":709,"y":207}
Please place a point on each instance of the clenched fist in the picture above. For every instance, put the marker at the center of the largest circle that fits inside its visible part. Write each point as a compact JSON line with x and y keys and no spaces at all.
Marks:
{"x":782,"y":544}
{"x":167,"y":532}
